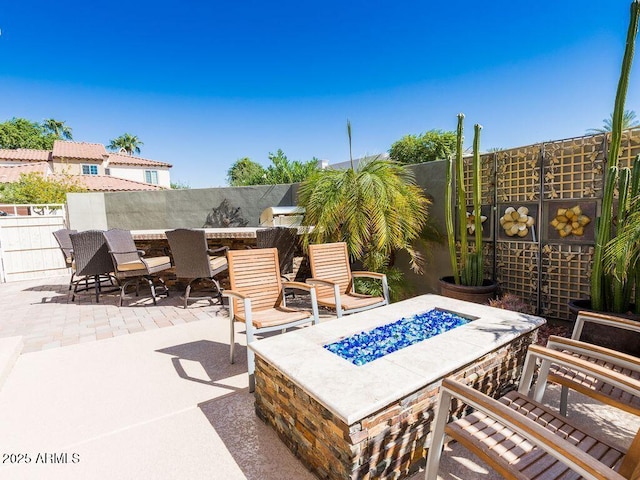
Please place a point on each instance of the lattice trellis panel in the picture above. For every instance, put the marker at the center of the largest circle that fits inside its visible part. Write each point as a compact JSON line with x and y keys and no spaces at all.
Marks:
{"x":487,"y":165}
{"x":566,"y":271}
{"x":574,"y":168}
{"x":517,"y":270}
{"x":546,"y":269}
{"x":518,"y":174}
{"x":630,"y":147}
{"x":488,"y":251}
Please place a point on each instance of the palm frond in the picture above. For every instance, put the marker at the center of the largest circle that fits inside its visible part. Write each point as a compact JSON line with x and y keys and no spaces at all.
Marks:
{"x":375,"y":209}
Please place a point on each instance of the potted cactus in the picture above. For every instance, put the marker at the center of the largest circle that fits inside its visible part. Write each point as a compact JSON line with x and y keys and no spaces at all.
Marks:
{"x":611,"y":291}
{"x":614,"y":271}
{"x":467,"y":282}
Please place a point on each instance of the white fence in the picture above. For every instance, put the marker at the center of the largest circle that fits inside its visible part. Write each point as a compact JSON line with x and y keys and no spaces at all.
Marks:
{"x":27,"y":246}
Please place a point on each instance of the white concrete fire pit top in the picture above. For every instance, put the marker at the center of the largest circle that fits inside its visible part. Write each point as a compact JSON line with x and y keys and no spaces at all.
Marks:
{"x":352,"y":392}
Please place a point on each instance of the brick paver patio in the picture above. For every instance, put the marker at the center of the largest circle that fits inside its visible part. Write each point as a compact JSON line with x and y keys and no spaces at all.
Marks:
{"x":43,"y":313}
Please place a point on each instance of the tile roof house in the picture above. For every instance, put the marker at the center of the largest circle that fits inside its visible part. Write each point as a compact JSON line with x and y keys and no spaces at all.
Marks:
{"x":95,"y":168}
{"x":11,"y":173}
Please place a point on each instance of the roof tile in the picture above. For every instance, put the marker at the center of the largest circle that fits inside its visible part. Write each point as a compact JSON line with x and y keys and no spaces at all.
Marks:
{"x":11,"y":173}
{"x":107,"y":183}
{"x":82,"y":150}
{"x":122,"y":159}
{"x":24,"y":154}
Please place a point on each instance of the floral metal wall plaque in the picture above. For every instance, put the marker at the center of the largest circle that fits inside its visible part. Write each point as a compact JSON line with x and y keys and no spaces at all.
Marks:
{"x":471,"y":221}
{"x":517,"y":222}
{"x":570,"y":221}
{"x":486,"y":219}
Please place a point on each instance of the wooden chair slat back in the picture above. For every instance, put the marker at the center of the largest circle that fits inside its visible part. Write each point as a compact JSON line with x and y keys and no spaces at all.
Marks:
{"x":330,"y":261}
{"x":255,"y":273}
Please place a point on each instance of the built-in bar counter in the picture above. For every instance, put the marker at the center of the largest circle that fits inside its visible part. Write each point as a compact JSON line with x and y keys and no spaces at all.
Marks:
{"x":231,"y":233}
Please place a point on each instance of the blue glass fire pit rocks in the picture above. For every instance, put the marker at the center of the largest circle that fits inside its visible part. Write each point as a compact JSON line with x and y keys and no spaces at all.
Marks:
{"x":364,"y":347}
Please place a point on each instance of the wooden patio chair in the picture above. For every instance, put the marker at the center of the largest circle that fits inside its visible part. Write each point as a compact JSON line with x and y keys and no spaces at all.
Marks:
{"x":586,"y":384}
{"x":333,"y":278}
{"x":522,"y":439}
{"x":257,"y":298}
{"x":131,"y":265}
{"x":195,"y":261}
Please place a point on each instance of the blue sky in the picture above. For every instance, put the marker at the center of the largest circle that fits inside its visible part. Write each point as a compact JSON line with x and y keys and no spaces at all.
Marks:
{"x":206,"y":83}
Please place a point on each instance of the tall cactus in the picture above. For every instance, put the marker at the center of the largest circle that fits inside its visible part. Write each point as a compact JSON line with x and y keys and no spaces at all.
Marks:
{"x":606,"y":291}
{"x":469,"y":271}
{"x":448,"y":204}
{"x":477,"y":271}
{"x":462,"y":200}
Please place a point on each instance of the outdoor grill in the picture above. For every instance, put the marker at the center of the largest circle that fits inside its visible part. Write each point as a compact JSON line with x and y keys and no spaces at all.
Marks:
{"x":281,"y":216}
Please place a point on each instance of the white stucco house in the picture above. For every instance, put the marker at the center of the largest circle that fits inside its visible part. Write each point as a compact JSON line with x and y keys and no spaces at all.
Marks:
{"x":90,"y":164}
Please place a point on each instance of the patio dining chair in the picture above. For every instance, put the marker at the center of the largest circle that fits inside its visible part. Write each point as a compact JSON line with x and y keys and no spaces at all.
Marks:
{"x":522,"y":439}
{"x":591,"y":386}
{"x":91,"y":260}
{"x":257,"y":298}
{"x":64,"y":242}
{"x":285,"y":239}
{"x":333,"y":278}
{"x":131,"y":266}
{"x":195,"y":261}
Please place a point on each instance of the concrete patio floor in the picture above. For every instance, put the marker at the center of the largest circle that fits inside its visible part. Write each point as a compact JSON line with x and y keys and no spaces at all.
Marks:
{"x":148,"y":392}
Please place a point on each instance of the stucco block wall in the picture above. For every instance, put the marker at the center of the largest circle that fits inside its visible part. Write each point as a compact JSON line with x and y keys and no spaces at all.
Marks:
{"x":189,"y":209}
{"x":431,"y":176}
{"x":86,"y":211}
{"x":168,"y":209}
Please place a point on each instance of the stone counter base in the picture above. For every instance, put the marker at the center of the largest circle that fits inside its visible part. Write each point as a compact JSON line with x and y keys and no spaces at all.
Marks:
{"x":388,"y":444}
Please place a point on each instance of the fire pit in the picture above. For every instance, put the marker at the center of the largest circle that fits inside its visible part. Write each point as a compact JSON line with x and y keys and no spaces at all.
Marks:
{"x":348,"y":421}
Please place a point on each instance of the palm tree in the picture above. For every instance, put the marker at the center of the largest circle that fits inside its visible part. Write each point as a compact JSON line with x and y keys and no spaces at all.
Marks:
{"x":57,"y":128}
{"x":375,"y":208}
{"x":129,"y":143}
{"x":628,"y":121}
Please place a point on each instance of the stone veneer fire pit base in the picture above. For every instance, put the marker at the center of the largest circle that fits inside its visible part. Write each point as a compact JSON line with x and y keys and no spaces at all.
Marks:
{"x":387,"y":442}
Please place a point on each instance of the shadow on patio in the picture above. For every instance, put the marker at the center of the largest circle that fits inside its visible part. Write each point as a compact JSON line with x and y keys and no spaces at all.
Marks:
{"x":254,"y":446}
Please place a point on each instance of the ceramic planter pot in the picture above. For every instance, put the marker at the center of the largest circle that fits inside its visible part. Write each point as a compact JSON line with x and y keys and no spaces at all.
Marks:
{"x":480,"y":294}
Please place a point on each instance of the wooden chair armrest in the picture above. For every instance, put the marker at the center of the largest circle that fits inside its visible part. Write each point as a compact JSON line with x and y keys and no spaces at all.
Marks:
{"x":299,"y":285}
{"x":231,"y":293}
{"x":377,"y":275}
{"x":217,"y":251}
{"x":607,"y":375}
{"x":576,"y":346}
{"x":319,"y":281}
{"x":567,"y":453}
{"x":602,"y":319}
